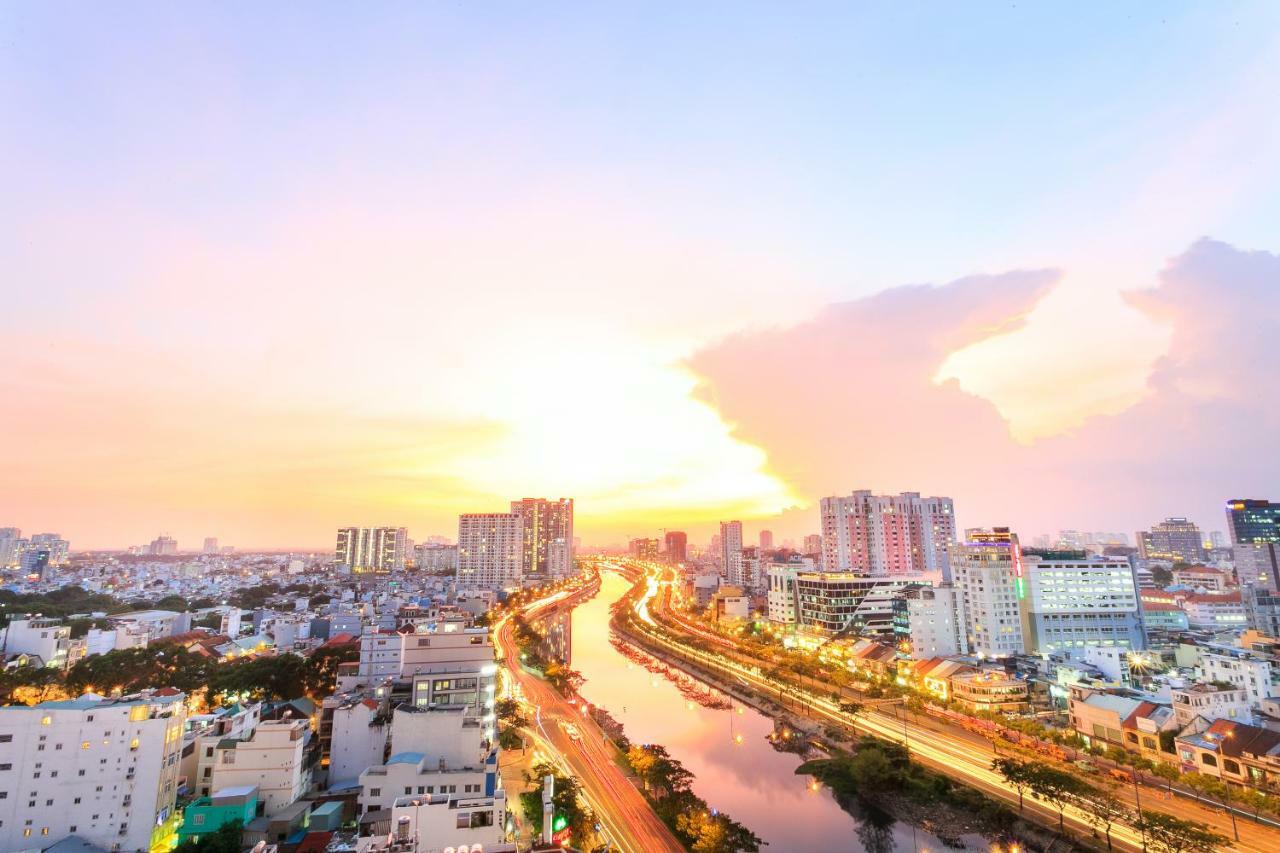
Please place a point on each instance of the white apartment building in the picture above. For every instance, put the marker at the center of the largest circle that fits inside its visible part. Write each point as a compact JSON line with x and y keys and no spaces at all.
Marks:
{"x":444,"y":822}
{"x":1249,"y":672}
{"x":1216,"y":611}
{"x":490,"y":550}
{"x":731,"y":552}
{"x":1074,"y":604}
{"x":381,"y":653}
{"x":126,"y":635}
{"x":887,"y":534}
{"x":358,"y":734}
{"x":933,"y":619}
{"x":47,"y":639}
{"x":105,"y":770}
{"x":204,"y":733}
{"x":782,"y":593}
{"x":989,"y":574}
{"x":434,"y":751}
{"x":270,"y":758}
{"x":1210,"y":703}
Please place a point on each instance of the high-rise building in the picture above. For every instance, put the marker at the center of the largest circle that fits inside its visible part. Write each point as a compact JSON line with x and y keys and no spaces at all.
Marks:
{"x":372,"y":549}
{"x":11,"y":547}
{"x":1254,"y":527}
{"x":115,"y":783}
{"x":731,"y":550}
{"x":989,"y":573}
{"x":813,"y":544}
{"x":887,"y":534}
{"x":1073,"y":604}
{"x":677,"y":546}
{"x":490,"y":550}
{"x":59,"y":549}
{"x":1174,"y":539}
{"x":210,"y":545}
{"x":163,"y":546}
{"x":643,"y":548}
{"x":36,"y":561}
{"x":766,"y":540}
{"x":547,"y":540}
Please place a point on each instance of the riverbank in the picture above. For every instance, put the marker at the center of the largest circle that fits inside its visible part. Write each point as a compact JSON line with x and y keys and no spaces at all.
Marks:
{"x":785,"y":709}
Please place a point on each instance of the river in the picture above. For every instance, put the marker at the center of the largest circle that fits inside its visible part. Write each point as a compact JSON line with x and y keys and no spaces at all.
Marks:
{"x":751,"y":781}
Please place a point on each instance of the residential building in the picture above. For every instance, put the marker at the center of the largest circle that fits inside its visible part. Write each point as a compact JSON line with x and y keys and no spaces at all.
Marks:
{"x":643,"y":548}
{"x":1240,"y":668}
{"x":782,"y":593}
{"x":270,"y":758}
{"x":1216,"y":612}
{"x":1233,"y":751}
{"x":431,"y":557}
{"x":47,"y":639}
{"x":35,"y":561}
{"x":490,"y":550}
{"x":210,"y":546}
{"x":887,"y":534}
{"x":676,"y":547}
{"x":1210,"y":702}
{"x":813,"y":545}
{"x":372,"y":549}
{"x":929,"y":620}
{"x":546,"y":541}
{"x":1073,"y":604}
{"x":439,"y":822}
{"x":59,"y":549}
{"x":11,"y":547}
{"x":163,"y":546}
{"x":204,"y":733}
{"x":766,"y":540}
{"x":105,"y":770}
{"x":1202,"y":578}
{"x":1175,"y":540}
{"x":731,"y":551}
{"x":354,"y":732}
{"x":990,"y":577}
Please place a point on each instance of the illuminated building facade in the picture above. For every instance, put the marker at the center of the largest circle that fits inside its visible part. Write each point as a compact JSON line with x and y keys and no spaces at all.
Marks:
{"x":547,"y":536}
{"x":1174,"y":539}
{"x":887,"y":534}
{"x":490,"y":550}
{"x":1073,"y":604}
{"x":372,"y":549}
{"x":1254,"y":527}
{"x":989,"y":574}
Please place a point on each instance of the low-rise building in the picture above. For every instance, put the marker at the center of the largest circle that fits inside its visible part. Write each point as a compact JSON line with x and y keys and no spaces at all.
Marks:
{"x":272,"y":758}
{"x":1210,"y":702}
{"x":36,"y":636}
{"x":206,"y":815}
{"x":1216,"y":611}
{"x":991,"y":690}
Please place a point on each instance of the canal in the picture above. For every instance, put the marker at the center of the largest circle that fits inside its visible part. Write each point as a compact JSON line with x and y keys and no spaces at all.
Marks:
{"x":749,"y":780}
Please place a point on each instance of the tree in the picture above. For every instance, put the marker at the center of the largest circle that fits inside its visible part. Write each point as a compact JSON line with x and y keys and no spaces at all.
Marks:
{"x":1102,"y":809}
{"x":320,"y":673}
{"x":280,"y":677}
{"x":224,"y":839}
{"x":1016,"y":773}
{"x":1168,"y":834}
{"x":1167,"y":772}
{"x":715,"y":833}
{"x":1057,"y":787}
{"x":658,"y":770}
{"x":566,"y":802}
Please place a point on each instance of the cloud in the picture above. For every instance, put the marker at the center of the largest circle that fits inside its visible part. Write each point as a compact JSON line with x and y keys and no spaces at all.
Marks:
{"x":846,"y":401}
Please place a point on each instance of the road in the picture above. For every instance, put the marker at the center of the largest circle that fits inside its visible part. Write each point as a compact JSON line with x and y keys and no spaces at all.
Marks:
{"x":629,"y":822}
{"x":951,"y":752}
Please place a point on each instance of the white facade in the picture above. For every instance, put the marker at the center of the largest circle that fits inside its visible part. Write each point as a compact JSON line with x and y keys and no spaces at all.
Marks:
{"x":381,"y":653}
{"x":1073,"y":604}
{"x":1216,"y":612}
{"x":126,"y":635}
{"x":782,"y":593}
{"x":434,"y":824}
{"x":1251,"y":673}
{"x":731,"y":552}
{"x":47,"y":638}
{"x":935,"y":621}
{"x":1210,"y":703}
{"x":490,"y":550}
{"x":204,"y":734}
{"x":271,"y":758}
{"x":103,"y":769}
{"x":989,"y":575}
{"x":359,"y":740}
{"x":372,"y":549}
{"x":433,"y":751}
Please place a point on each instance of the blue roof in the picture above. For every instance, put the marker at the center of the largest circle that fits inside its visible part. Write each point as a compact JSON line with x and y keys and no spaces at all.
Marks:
{"x":406,"y":758}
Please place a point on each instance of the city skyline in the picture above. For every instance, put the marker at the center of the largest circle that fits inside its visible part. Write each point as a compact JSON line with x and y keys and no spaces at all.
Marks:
{"x":680,"y":294}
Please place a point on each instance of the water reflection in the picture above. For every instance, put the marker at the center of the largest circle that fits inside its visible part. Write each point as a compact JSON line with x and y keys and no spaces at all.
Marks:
{"x":748,"y":779}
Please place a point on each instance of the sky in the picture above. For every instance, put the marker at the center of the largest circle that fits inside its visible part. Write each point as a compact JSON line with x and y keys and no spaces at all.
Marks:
{"x":270,"y":271}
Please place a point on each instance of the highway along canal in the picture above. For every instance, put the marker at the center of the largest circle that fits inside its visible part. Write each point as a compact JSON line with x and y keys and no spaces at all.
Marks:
{"x":743,"y":776}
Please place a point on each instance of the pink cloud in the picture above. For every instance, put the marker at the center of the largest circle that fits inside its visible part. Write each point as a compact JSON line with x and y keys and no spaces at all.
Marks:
{"x":846,"y":401}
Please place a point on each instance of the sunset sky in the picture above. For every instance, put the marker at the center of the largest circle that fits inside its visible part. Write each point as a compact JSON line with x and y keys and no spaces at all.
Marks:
{"x":268,"y":269}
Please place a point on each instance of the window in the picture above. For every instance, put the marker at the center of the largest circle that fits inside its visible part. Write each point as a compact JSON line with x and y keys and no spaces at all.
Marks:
{"x":46,"y":720}
{"x":197,"y":820}
{"x":9,"y":738}
{"x":375,"y":792}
